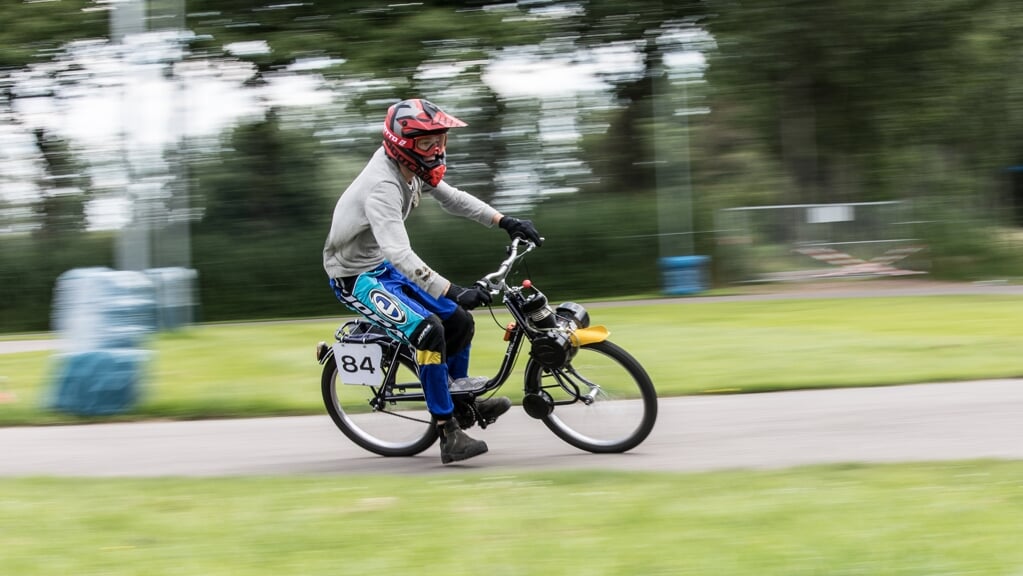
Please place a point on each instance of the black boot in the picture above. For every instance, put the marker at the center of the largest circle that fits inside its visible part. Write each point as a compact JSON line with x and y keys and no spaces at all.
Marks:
{"x":456,"y":445}
{"x":491,"y":408}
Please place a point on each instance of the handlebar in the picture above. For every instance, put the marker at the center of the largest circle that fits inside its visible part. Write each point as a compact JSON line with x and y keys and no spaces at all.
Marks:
{"x":494,"y":282}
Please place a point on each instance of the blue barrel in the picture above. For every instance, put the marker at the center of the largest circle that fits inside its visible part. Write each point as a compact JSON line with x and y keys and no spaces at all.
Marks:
{"x":104,"y":318}
{"x":99,"y":382}
{"x":684,"y":274}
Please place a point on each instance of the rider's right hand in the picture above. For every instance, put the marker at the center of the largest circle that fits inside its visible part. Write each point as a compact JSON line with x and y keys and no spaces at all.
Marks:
{"x":468,"y":298}
{"x":521,"y":229}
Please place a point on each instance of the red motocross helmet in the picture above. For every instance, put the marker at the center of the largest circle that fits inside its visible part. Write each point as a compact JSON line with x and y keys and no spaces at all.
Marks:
{"x":415,"y":134}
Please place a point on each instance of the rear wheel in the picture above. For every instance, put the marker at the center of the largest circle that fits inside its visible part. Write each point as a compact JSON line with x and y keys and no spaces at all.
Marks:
{"x":622,"y":405}
{"x":403,"y":428}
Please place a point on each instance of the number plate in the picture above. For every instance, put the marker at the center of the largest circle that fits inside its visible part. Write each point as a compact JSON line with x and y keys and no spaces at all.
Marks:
{"x":358,"y":364}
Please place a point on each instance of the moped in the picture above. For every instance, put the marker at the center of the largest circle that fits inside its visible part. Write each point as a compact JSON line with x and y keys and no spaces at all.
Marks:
{"x":588,"y":391}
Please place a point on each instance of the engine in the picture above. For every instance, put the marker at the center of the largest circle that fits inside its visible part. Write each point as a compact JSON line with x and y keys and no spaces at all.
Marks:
{"x":554,"y":348}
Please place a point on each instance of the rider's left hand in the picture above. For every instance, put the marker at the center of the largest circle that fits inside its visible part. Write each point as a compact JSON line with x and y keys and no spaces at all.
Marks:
{"x":521,"y":228}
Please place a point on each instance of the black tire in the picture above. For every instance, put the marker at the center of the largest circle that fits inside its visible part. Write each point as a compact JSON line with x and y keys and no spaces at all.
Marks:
{"x":401,"y":429}
{"x":624,"y":409}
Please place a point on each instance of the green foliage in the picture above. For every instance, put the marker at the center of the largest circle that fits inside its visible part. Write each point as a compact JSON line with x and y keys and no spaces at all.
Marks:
{"x":251,"y":275}
{"x":29,"y":270}
{"x":596,"y":247}
{"x":65,"y":187}
{"x":267,"y":181}
{"x":963,"y":248}
{"x":32,"y":31}
{"x":834,"y":88}
{"x":374,"y":39}
{"x":258,"y":247}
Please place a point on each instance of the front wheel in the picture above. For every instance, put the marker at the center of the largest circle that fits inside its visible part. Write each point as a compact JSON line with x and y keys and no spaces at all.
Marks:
{"x":401,"y":428}
{"x":603,"y":400}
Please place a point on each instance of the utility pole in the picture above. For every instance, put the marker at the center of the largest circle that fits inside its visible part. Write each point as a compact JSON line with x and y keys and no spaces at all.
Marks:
{"x":158,"y":233}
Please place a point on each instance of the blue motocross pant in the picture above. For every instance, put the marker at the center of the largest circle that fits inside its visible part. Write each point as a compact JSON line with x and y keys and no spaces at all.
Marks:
{"x":440,"y":330}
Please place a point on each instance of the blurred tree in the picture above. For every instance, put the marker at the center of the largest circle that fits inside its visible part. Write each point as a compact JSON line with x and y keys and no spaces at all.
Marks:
{"x":641,"y":23}
{"x":393,"y":51}
{"x":267,"y":180}
{"x":842,"y":91}
{"x":63,"y":188}
{"x":369,"y":37}
{"x":31,"y":31}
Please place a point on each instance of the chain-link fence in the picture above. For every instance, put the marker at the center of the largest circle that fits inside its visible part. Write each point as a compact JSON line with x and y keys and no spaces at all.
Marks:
{"x":806,"y":241}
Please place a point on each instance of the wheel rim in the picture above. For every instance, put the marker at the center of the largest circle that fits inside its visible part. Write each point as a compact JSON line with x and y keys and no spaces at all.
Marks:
{"x":396,"y":429}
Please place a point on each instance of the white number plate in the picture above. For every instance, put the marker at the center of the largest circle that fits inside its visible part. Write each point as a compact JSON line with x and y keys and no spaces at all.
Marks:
{"x":358,"y":364}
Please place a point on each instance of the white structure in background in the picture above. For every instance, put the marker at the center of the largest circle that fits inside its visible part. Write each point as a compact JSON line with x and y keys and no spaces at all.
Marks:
{"x":121,"y":103}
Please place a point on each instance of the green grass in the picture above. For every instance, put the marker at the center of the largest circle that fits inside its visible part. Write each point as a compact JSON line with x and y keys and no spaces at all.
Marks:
{"x":918,"y":519}
{"x":691,"y":347}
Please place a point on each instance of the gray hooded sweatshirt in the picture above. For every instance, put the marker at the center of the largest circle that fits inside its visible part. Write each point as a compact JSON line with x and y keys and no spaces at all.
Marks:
{"x":368,"y":227}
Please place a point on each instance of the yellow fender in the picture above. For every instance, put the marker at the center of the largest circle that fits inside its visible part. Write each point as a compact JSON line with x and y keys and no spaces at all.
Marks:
{"x":584,"y":336}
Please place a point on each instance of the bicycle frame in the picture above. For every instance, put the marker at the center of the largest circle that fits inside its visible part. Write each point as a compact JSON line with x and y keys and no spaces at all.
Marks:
{"x":394,"y":349}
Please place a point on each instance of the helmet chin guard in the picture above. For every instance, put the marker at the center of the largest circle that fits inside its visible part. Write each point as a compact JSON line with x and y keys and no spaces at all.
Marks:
{"x":410,"y":119}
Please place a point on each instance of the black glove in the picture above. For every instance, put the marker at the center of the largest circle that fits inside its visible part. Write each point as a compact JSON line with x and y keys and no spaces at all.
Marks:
{"x":468,"y":298}
{"x":521,"y":228}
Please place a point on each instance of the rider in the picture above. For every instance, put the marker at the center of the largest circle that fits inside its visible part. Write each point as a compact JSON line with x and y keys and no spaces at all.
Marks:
{"x":374,"y":271}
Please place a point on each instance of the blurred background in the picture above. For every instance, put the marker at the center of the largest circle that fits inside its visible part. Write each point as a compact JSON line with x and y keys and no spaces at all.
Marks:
{"x":214,"y":136}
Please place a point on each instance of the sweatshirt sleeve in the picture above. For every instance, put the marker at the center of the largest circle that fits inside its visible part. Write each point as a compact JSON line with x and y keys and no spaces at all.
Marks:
{"x":461,"y":203}
{"x":383,"y":210}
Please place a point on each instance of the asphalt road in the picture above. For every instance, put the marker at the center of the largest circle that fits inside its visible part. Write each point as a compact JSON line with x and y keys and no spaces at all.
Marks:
{"x":926,"y":422}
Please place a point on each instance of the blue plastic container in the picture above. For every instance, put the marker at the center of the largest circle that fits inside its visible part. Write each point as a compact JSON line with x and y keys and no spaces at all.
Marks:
{"x":99,"y":382}
{"x":104,"y":318}
{"x":684,"y":274}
